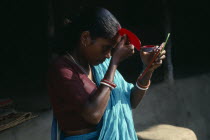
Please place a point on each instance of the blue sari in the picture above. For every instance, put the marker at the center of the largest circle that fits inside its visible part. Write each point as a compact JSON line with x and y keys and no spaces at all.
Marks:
{"x":117,"y":122}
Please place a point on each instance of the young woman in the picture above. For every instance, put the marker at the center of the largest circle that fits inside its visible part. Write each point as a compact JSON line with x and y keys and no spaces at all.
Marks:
{"x":90,"y":98}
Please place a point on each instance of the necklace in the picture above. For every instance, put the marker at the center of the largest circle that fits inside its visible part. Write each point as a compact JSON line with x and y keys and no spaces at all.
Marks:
{"x":78,"y":64}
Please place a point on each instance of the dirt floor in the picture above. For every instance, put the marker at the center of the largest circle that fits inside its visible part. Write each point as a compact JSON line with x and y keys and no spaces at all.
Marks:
{"x":184,"y":104}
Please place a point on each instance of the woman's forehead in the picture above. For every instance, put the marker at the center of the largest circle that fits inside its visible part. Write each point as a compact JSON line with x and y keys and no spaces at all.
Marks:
{"x":116,"y":38}
{"x":112,"y":41}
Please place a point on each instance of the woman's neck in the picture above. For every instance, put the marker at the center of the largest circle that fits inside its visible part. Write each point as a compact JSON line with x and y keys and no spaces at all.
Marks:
{"x":80,"y":59}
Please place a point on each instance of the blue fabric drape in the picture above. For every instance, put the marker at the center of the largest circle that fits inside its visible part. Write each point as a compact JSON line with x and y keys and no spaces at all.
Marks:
{"x":117,"y":121}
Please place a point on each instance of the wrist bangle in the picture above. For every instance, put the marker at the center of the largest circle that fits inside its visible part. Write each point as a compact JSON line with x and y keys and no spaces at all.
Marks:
{"x":108,"y":83}
{"x":140,"y":87}
{"x":103,"y":83}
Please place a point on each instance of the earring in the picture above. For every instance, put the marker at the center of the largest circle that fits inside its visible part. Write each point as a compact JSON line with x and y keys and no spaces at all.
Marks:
{"x":84,"y":44}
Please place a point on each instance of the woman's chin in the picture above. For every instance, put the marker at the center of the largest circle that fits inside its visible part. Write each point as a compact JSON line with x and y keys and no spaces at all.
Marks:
{"x":98,"y":62}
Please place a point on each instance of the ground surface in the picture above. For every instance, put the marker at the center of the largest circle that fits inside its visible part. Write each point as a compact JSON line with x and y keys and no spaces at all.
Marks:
{"x":185,"y":104}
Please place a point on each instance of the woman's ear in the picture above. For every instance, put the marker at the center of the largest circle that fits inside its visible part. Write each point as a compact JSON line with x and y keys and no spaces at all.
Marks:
{"x":85,"y":38}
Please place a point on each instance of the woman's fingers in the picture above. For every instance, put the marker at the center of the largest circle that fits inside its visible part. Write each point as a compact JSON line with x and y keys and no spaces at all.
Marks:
{"x":163,"y":52}
{"x":131,"y":48}
{"x":160,"y":58}
{"x":162,"y":44}
{"x":156,"y":49}
{"x":158,"y":63}
{"x":123,"y":40}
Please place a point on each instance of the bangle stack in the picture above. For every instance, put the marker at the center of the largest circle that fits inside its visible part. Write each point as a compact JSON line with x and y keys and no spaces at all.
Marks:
{"x":108,"y":83}
{"x":141,"y":87}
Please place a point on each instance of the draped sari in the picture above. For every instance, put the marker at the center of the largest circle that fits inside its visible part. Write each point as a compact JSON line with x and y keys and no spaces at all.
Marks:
{"x":117,"y":121}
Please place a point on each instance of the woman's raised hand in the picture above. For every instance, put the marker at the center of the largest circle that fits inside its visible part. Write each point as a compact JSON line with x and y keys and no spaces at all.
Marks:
{"x":147,"y":57}
{"x":122,"y":50}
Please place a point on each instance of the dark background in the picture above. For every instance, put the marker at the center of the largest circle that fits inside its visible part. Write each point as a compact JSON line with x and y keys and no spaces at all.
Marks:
{"x":25,"y":42}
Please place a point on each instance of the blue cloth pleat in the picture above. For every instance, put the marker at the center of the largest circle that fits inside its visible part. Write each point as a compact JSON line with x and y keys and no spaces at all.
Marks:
{"x":54,"y":129}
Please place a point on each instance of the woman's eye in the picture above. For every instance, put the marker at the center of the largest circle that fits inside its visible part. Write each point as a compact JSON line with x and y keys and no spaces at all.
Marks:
{"x":107,"y":48}
{"x":104,"y":49}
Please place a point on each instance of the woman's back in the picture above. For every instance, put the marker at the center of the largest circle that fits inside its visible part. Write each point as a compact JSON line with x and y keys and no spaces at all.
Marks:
{"x":69,"y":89}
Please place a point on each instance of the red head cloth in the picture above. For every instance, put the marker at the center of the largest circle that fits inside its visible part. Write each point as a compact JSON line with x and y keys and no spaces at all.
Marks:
{"x":132,"y":38}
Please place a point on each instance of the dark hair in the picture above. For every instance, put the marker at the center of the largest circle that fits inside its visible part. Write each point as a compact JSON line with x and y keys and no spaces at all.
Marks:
{"x":98,"y":21}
